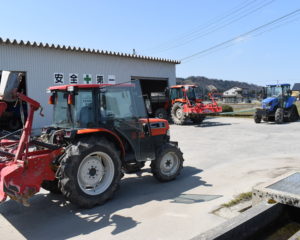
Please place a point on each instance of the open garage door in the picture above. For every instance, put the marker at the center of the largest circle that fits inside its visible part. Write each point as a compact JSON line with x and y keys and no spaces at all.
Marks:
{"x":16,"y":112}
{"x":153,"y":90}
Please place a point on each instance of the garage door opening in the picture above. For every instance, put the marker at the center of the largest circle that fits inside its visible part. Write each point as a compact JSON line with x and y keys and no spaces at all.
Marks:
{"x":16,"y":113}
{"x":153,"y":91}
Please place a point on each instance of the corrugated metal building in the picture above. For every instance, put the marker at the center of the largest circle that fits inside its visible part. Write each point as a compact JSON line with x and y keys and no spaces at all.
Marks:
{"x":44,"y":65}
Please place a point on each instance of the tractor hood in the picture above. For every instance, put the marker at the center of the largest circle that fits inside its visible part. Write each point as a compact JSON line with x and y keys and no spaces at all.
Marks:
{"x":268,"y":100}
{"x":269,"y":103}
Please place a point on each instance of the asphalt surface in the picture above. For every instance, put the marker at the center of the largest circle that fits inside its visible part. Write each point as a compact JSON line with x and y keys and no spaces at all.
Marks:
{"x":223,"y":157}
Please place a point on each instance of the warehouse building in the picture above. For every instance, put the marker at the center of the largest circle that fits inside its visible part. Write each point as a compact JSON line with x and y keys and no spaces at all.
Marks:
{"x":43,"y":65}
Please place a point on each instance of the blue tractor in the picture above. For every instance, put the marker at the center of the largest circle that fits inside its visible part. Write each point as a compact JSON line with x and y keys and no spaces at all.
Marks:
{"x":278,"y":106}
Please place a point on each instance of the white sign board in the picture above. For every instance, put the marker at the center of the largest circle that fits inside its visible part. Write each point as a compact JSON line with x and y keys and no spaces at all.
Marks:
{"x":73,"y":78}
{"x":111,"y":79}
{"x":87,"y":78}
{"x":58,"y":78}
{"x":99,"y":79}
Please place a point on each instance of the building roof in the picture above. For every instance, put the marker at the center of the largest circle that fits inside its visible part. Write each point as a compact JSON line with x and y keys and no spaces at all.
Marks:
{"x":85,"y":50}
{"x":296,"y":87}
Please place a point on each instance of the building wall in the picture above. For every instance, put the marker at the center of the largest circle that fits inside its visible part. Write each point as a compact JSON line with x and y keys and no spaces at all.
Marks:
{"x":40,"y":64}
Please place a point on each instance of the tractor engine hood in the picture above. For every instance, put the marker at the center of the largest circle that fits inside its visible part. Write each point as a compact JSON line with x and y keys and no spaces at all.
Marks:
{"x":268,"y":100}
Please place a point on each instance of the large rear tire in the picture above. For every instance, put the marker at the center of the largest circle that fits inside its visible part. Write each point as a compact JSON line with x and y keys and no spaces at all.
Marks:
{"x":168,"y":164}
{"x":279,"y":116}
{"x":177,"y":114}
{"x":90,"y":172}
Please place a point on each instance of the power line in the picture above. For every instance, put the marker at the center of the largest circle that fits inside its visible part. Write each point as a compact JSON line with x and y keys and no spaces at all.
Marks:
{"x":232,"y":16}
{"x":207,"y":24}
{"x":232,"y":40}
{"x":219,"y":27}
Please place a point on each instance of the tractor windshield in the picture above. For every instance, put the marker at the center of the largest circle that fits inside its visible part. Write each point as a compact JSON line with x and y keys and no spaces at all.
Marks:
{"x":62,"y":113}
{"x":278,"y":91}
{"x":191,"y":94}
{"x":121,"y":102}
{"x":274,"y":91}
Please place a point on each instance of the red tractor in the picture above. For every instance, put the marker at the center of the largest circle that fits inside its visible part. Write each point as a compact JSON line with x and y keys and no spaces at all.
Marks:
{"x":182,"y":103}
{"x":98,"y":133}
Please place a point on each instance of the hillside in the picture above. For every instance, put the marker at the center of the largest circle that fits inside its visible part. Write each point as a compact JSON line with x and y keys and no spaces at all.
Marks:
{"x":221,"y":85}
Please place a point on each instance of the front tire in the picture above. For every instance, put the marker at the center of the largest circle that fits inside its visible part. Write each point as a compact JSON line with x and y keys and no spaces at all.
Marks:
{"x":168,"y":164}
{"x":90,"y":172}
{"x":257,"y":118}
{"x":177,"y":114}
{"x":279,"y":116}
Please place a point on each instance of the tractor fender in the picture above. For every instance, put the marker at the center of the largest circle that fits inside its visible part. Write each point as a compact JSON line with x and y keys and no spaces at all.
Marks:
{"x":110,"y":134}
{"x":290,"y":101}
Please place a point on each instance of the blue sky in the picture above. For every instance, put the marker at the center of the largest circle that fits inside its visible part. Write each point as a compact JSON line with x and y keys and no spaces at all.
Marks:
{"x":171,"y":29}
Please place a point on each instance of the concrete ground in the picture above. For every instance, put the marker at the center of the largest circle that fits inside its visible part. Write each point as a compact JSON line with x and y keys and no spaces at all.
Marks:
{"x":223,"y":157}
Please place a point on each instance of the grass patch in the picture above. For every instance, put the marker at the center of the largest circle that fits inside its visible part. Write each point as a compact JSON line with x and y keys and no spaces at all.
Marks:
{"x":238,"y":199}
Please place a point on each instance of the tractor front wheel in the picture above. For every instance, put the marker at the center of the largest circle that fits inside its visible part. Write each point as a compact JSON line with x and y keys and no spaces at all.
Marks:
{"x":177,"y":114}
{"x":168,"y":164}
{"x":90,"y":172}
{"x":279,"y":115}
{"x":257,"y":118}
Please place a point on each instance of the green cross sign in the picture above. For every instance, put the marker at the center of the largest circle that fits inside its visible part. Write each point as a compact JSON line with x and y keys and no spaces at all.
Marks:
{"x":87,"y":79}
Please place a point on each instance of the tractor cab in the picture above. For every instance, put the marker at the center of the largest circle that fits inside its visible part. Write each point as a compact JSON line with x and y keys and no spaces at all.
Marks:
{"x":276,"y":95}
{"x":278,"y":90}
{"x":184,"y":93}
{"x":119,"y":109}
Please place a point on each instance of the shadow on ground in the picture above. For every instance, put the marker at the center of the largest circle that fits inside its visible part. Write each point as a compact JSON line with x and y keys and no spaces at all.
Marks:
{"x":212,"y":124}
{"x":51,"y":217}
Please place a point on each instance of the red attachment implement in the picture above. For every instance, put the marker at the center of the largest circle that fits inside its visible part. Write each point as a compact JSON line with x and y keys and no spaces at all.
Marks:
{"x":22,"y":171}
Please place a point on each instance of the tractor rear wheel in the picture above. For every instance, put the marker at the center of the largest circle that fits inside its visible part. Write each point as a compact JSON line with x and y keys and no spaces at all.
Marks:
{"x":161,"y":113}
{"x":90,"y":172}
{"x":279,"y":115}
{"x":257,"y":118}
{"x":177,"y":114}
{"x":294,"y":115}
{"x":168,"y":164}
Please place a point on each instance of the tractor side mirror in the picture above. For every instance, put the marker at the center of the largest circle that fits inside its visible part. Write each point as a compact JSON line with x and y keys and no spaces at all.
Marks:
{"x":71,"y":99}
{"x":51,"y":99}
